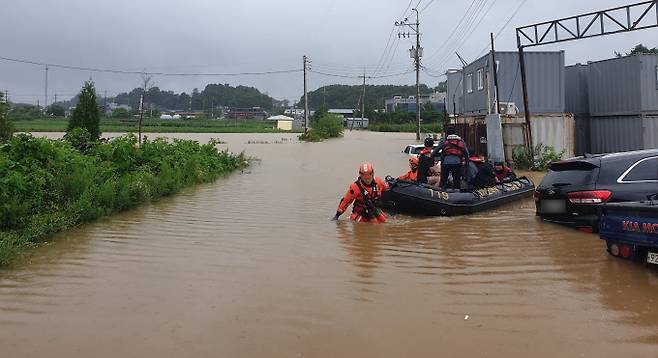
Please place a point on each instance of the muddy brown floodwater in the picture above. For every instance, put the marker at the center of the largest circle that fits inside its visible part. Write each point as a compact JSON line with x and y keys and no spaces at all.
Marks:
{"x":251,"y":266}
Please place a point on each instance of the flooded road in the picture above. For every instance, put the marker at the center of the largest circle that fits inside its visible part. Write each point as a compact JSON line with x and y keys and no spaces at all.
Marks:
{"x":251,"y":266}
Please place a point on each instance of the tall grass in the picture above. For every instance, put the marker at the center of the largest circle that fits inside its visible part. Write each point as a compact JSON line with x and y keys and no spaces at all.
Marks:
{"x":156,"y":126}
{"x":49,"y":185}
{"x":404,"y":127}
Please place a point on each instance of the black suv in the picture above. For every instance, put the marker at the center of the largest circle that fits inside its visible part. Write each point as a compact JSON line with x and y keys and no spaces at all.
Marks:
{"x":573,"y":189}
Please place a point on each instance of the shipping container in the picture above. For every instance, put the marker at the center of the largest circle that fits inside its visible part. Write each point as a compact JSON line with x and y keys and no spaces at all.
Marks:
{"x":455,"y":92}
{"x":616,"y":134}
{"x":554,"y":130}
{"x":545,"y":74}
{"x":576,"y":89}
{"x":624,"y":86}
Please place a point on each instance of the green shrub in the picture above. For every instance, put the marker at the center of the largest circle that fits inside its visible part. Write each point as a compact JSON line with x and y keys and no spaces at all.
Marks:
{"x":542,"y":158}
{"x":328,"y":126}
{"x":6,"y":128}
{"x":49,"y":185}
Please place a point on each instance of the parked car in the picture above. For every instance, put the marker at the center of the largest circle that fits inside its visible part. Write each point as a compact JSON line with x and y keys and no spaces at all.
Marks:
{"x":573,"y":190}
{"x":630,"y":230}
{"x":414,"y":149}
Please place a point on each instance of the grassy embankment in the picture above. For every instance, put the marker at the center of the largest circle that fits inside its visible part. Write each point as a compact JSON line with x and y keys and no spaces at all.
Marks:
{"x":404,"y":127}
{"x":50,"y":185}
{"x":156,"y":126}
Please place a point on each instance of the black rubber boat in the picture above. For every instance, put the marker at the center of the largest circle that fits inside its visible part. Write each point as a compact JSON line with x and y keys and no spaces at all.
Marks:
{"x":413,"y":198}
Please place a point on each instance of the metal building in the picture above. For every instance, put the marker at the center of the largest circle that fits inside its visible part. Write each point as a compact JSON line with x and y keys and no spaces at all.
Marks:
{"x":621,"y":100}
{"x":545,"y":79}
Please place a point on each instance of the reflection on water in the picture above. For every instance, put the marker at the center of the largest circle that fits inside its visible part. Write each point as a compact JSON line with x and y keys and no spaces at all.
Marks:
{"x":252,"y":266}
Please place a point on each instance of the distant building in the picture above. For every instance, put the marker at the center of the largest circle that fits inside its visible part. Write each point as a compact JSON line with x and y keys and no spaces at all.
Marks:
{"x":343,"y":112}
{"x":615,"y":103}
{"x":111,"y":107}
{"x":246,"y":113}
{"x":408,"y":104}
{"x":355,"y":123}
{"x":284,"y":123}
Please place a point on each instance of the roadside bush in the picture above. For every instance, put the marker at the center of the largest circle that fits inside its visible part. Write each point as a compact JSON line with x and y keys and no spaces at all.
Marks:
{"x":6,"y":129}
{"x":49,"y":185}
{"x":329,"y":126}
{"x":543,"y":157}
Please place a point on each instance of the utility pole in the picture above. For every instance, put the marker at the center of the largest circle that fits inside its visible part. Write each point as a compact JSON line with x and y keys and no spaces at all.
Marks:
{"x":307,"y":63}
{"x":146,"y":80}
{"x":416,"y":53}
{"x":104,"y":102}
{"x":495,"y":74}
{"x":45,"y":103}
{"x":363,"y":97}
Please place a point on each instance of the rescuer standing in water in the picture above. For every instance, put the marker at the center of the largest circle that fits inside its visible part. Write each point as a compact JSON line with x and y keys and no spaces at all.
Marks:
{"x":365,"y":193}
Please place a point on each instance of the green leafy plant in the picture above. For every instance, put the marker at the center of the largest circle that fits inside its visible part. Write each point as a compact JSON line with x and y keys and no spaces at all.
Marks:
{"x":328,"y":126}
{"x":6,"y":128}
{"x":537,"y":160}
{"x":86,"y":114}
{"x":49,"y":185}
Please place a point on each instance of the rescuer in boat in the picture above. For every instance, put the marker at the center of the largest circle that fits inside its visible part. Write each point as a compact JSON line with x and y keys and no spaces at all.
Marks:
{"x":454,"y":155}
{"x":503,"y":172}
{"x":479,"y":174}
{"x":412,"y":174}
{"x":365,"y":193}
{"x":426,"y":173}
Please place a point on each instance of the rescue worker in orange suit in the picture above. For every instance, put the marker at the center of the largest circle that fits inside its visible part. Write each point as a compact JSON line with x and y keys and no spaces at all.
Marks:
{"x":454,"y":155}
{"x":412,"y":174}
{"x":365,"y":193}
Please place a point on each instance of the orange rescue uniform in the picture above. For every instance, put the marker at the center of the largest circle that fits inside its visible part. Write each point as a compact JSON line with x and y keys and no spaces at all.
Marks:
{"x":411,"y":175}
{"x":360,"y":211}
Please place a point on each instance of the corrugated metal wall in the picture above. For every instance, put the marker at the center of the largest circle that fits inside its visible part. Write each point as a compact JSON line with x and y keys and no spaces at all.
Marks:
{"x":613,"y":87}
{"x":475,"y":102}
{"x":576,"y":89}
{"x":616,"y":134}
{"x":455,"y":92}
{"x":582,"y":134}
{"x":545,"y":73}
{"x":650,"y":128}
{"x":649,"y":84}
{"x":556,"y":131}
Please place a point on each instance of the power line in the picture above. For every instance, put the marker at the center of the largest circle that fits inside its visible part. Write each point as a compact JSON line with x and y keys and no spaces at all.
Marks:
{"x":454,"y":30}
{"x":127,"y":72}
{"x":361,"y":76}
{"x":426,"y":6}
{"x":504,"y":26}
{"x":454,"y":43}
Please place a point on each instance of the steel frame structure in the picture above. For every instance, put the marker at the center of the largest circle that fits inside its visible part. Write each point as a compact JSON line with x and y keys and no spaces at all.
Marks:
{"x":627,"y":18}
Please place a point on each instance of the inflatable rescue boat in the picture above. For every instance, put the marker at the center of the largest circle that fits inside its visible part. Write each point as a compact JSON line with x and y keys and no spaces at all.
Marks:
{"x":421,"y":199}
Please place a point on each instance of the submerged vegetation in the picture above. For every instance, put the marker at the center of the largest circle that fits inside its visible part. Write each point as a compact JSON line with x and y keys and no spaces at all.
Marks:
{"x":49,"y":185}
{"x":323,"y":126}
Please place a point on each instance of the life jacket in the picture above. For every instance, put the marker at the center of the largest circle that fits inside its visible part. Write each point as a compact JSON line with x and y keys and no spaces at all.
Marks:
{"x":504,"y":173}
{"x":373,"y":191}
{"x":453,"y":145}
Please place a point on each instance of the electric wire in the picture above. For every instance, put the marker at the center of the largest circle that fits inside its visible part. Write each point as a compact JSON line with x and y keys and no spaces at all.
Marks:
{"x":128,"y":72}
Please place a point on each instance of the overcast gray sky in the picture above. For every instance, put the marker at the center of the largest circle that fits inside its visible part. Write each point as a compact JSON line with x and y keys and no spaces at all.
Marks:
{"x":340,"y":36}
